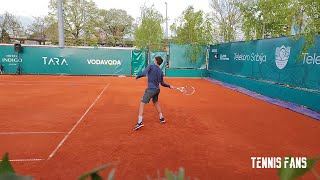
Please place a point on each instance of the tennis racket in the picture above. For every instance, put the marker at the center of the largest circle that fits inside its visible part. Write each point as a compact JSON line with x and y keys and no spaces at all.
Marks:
{"x":186,"y":90}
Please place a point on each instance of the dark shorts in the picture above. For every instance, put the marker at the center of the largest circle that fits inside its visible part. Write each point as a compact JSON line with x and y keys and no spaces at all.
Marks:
{"x":150,"y":93}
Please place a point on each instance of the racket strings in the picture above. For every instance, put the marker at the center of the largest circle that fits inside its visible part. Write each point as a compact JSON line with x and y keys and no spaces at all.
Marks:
{"x":188,"y":90}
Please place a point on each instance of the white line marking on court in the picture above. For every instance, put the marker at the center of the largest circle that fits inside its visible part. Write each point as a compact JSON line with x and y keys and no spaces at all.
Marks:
{"x":24,"y":160}
{"x":64,"y":139}
{"x":39,"y":84}
{"x":13,"y":81}
{"x":14,"y":133}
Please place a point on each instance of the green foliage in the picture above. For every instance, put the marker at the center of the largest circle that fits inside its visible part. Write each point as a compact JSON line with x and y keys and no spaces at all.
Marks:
{"x":115,"y":23}
{"x":226,"y":18}
{"x":308,"y":21}
{"x":275,"y":18}
{"x":79,"y":19}
{"x":11,"y":25}
{"x":38,"y":28}
{"x":7,"y":171}
{"x":293,"y":173}
{"x":194,"y":52}
{"x":94,"y":174}
{"x":192,"y":27}
{"x":51,"y":31}
{"x":150,"y":30}
{"x":5,"y":38}
{"x":5,"y":166}
{"x":155,"y":48}
{"x":176,"y":175}
{"x":266,"y":17}
{"x":170,"y":175}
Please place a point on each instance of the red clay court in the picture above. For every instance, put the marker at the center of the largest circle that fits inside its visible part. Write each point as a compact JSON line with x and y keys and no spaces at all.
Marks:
{"x":59,"y":127}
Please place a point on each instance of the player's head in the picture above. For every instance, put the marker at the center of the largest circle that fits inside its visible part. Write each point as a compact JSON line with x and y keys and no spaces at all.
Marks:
{"x":158,"y":60}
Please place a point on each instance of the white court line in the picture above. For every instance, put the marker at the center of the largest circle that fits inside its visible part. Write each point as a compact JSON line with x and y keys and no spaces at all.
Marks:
{"x":64,"y":139}
{"x":24,"y":160}
{"x":13,"y":81}
{"x":71,"y":84}
{"x":13,"y":133}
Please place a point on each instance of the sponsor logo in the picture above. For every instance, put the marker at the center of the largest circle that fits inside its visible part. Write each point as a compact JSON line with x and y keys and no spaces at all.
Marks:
{"x":11,"y":59}
{"x":104,"y":62}
{"x":252,"y":57}
{"x":282,"y":56}
{"x":214,"y":50}
{"x":309,"y":59}
{"x":224,"y":57}
{"x":55,"y":61}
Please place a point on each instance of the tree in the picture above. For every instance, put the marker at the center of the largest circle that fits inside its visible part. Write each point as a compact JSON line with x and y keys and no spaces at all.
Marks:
{"x":11,"y":25}
{"x":192,"y":28}
{"x":195,"y":29}
{"x":307,"y":16}
{"x":267,"y":18}
{"x":38,"y":29}
{"x":115,"y":24}
{"x":226,"y":17}
{"x":5,"y":38}
{"x":276,"y":18}
{"x":150,"y":30}
{"x":52,"y":29}
{"x":79,"y":19}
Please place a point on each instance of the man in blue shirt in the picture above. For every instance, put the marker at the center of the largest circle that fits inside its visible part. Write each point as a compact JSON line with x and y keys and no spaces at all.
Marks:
{"x":155,"y":76}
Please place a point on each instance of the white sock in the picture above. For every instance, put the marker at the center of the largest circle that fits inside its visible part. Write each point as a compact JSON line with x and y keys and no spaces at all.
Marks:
{"x":161,"y":116}
{"x":139,"y":119}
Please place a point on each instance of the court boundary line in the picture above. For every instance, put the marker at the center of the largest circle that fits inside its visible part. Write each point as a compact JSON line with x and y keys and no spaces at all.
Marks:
{"x":78,"y":122}
{"x":16,"y":133}
{"x":4,"y":81}
{"x":287,"y":105}
{"x":24,"y":160}
{"x":50,"y":84}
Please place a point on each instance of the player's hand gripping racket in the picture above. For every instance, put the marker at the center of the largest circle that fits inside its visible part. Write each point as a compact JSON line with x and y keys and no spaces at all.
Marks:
{"x":186,"y":90}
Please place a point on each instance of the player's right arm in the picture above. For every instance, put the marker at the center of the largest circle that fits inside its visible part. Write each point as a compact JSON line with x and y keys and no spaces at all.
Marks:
{"x":164,"y":84}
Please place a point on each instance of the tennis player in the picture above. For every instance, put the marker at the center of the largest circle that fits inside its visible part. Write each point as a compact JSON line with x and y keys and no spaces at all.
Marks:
{"x":155,"y":76}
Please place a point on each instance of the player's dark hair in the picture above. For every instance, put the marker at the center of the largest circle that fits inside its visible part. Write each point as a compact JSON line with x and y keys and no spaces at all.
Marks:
{"x":159,"y":60}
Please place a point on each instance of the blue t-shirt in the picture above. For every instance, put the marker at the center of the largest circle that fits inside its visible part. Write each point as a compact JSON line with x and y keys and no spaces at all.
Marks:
{"x":155,"y":76}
